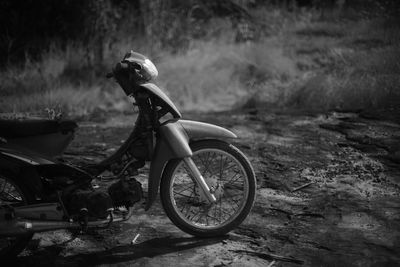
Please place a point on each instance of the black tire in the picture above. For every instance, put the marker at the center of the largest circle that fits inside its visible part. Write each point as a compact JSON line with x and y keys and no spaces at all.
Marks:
{"x":170,"y":198}
{"x":17,"y":244}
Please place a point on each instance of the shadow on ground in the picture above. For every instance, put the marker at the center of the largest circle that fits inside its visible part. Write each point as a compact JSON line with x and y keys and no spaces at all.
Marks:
{"x":119,"y":254}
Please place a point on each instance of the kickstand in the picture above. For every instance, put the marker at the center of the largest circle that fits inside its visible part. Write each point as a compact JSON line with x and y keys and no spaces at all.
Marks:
{"x":62,"y":204}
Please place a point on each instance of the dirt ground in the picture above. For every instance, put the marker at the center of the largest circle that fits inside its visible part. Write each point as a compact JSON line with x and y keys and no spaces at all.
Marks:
{"x":328,"y":195}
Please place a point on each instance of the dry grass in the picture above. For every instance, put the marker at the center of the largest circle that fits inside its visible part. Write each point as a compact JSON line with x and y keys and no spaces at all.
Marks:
{"x":216,"y":75}
{"x":360,"y":70}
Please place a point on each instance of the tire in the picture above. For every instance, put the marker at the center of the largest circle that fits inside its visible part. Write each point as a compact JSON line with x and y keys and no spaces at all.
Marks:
{"x":182,"y":200}
{"x":22,"y":197}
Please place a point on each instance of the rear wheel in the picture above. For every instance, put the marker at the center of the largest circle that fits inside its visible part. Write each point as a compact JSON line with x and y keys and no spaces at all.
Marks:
{"x":13,"y":193}
{"x":231,"y":179}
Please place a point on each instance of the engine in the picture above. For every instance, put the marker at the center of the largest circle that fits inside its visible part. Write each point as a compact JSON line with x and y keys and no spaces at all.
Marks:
{"x":126,"y":192}
{"x":98,"y":203}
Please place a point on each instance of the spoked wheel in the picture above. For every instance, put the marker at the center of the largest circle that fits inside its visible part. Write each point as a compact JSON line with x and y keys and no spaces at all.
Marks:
{"x":231,"y":179}
{"x":12,"y":194}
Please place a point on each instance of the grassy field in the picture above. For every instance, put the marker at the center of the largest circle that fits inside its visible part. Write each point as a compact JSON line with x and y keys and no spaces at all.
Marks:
{"x":300,"y":61}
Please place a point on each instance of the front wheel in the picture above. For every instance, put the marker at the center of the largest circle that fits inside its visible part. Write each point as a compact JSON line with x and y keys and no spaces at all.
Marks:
{"x":230,"y":178}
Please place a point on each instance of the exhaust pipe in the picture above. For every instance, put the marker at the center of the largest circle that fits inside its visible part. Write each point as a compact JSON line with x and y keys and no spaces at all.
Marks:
{"x":16,"y":227}
{"x":20,"y":227}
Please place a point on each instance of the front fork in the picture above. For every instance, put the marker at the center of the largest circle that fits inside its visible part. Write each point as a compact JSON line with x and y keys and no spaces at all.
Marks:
{"x":199,"y":179}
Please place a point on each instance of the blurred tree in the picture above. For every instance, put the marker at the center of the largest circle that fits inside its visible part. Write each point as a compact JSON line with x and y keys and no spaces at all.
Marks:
{"x":166,"y":23}
{"x":101,"y":25}
{"x":28,"y":26}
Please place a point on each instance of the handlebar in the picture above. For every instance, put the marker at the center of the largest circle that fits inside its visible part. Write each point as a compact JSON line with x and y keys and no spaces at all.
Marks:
{"x":118,"y":67}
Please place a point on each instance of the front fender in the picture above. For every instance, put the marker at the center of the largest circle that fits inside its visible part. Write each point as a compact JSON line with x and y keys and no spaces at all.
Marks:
{"x":173,"y":142}
{"x":200,"y":130}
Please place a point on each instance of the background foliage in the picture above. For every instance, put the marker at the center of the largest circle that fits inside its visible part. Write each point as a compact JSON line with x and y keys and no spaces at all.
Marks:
{"x":313,"y":54}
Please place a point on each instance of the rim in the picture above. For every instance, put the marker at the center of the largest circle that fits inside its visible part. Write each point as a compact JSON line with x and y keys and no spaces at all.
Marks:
{"x":10,"y":195}
{"x":226,"y":178}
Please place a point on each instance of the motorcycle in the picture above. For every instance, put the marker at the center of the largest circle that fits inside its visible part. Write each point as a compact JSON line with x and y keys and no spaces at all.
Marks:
{"x":207,"y":186}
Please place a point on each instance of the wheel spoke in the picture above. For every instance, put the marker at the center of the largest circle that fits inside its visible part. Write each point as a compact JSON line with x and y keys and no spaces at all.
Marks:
{"x":9,"y":194}
{"x":12,"y":197}
{"x":180,"y":194}
{"x":221,"y":168}
{"x":233,"y":177}
{"x":230,"y":167}
{"x":185,"y":189}
{"x":191,"y":194}
{"x":206,"y":165}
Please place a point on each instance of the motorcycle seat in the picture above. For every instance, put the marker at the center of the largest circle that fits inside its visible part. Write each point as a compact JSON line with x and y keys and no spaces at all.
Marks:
{"x":34,"y":127}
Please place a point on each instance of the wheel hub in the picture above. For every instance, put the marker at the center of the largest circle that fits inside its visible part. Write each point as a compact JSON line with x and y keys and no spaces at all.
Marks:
{"x":216,"y":188}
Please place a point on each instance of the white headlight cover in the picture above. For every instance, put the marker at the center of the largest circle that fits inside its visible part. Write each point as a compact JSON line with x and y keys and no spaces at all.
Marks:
{"x":150,"y":69}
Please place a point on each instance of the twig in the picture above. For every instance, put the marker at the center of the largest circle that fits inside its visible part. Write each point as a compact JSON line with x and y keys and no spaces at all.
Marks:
{"x":272,"y":263}
{"x":302,"y":186}
{"x":135,"y":239}
{"x":267,"y":256}
{"x":137,"y":230}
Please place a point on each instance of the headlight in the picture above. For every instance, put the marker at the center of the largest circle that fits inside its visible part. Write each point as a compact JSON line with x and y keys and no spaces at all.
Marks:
{"x":145,"y":68}
{"x":150,"y":69}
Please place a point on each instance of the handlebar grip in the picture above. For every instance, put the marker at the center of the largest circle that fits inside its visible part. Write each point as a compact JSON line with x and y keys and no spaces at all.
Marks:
{"x":121,"y":66}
